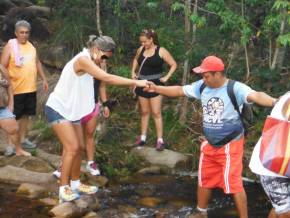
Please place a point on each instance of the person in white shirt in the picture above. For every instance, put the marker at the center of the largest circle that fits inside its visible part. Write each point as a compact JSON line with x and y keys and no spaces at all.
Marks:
{"x":276,"y":186}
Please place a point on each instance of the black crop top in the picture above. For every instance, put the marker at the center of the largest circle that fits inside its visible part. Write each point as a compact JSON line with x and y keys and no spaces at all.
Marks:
{"x":152,"y":65}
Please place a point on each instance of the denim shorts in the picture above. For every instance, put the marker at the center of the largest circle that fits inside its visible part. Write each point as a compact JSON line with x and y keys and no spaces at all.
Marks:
{"x":5,"y":113}
{"x":53,"y":117}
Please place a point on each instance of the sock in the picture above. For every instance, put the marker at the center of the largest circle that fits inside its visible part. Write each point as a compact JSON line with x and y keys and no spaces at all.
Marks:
{"x":74,"y":184}
{"x":143,"y":138}
{"x":61,"y":188}
{"x":202,"y":209}
{"x":160,"y":140}
{"x":90,"y":162}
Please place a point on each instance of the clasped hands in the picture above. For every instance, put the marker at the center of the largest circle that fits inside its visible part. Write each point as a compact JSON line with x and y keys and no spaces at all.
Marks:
{"x":148,"y":85}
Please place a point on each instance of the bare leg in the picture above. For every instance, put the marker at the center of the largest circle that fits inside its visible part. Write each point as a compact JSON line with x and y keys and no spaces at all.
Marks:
{"x":241,"y":203}
{"x":23,"y":123}
{"x":76,"y":167}
{"x":155,"y":105}
{"x":203,"y":196}
{"x":272,"y":214}
{"x":145,"y":114}
{"x":11,"y":128}
{"x":67,"y":135}
{"x":89,"y":130}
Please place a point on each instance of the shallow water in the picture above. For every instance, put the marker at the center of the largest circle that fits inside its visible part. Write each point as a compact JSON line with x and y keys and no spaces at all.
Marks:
{"x":144,"y":196}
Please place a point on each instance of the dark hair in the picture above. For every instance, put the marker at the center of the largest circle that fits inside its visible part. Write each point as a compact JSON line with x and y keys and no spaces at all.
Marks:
{"x":150,"y":33}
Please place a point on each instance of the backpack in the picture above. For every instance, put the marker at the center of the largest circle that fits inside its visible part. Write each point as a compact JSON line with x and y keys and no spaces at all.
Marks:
{"x":247,"y":115}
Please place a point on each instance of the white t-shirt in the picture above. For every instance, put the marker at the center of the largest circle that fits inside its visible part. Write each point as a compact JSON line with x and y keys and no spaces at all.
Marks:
{"x":73,"y":95}
{"x":255,"y":163}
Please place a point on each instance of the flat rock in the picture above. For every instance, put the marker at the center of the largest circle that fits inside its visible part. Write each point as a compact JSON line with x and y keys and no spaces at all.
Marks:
{"x":31,"y":190}
{"x":166,"y":157}
{"x":15,"y":175}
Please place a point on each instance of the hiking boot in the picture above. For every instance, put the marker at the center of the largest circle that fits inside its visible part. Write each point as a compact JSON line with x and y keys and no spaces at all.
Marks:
{"x":160,"y":146}
{"x":9,"y":151}
{"x":86,"y":189}
{"x":140,"y":142}
{"x":93,"y":169}
{"x":28,"y":144}
{"x":67,"y":195}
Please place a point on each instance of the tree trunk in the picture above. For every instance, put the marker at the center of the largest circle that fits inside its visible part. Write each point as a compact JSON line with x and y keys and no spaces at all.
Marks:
{"x":98,"y":18}
{"x":184,"y":101}
{"x":278,"y":53}
{"x":245,"y":46}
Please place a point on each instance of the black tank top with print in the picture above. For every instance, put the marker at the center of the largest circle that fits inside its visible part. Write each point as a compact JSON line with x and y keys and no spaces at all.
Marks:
{"x":152,"y":65}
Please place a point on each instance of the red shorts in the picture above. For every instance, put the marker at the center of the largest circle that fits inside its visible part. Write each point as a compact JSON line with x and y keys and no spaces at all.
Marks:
{"x":222,"y":167}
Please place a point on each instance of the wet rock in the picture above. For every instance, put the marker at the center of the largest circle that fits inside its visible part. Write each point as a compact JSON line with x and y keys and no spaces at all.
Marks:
{"x":76,"y":208}
{"x":100,"y":181}
{"x":65,"y":210}
{"x":91,"y":215}
{"x":150,"y":201}
{"x":49,"y":201}
{"x":145,"y":192}
{"x":128,"y":209}
{"x":2,"y":161}
{"x":87,"y":203}
{"x":150,"y":170}
{"x":166,"y":158}
{"x":30,"y":163}
{"x":31,"y":190}
{"x":15,"y":175}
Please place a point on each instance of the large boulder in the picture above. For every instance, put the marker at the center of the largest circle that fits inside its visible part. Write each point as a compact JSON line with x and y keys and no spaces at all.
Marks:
{"x":39,"y":30}
{"x":30,"y":163}
{"x":54,"y":56}
{"x":15,"y":175}
{"x":166,"y":157}
{"x":6,"y":5}
{"x":22,"y":3}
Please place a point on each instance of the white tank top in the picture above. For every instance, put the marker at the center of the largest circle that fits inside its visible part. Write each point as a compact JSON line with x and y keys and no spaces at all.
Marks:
{"x":73,"y":95}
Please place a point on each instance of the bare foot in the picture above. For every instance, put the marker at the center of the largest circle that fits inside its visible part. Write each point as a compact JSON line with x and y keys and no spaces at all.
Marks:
{"x":21,"y":152}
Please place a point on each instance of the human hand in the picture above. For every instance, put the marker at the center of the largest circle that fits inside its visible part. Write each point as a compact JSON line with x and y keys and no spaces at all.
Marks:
{"x":151,"y":87}
{"x":45,"y":86}
{"x":10,"y":107}
{"x":141,"y":83}
{"x":4,"y":83}
{"x":106,"y":112}
{"x":164,"y":79}
{"x":134,"y":76}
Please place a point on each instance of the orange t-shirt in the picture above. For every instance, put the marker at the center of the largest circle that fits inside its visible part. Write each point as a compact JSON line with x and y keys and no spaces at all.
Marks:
{"x":23,"y":79}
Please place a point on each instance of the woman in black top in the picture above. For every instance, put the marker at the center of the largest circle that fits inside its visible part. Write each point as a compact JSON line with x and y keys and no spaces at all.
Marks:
{"x":149,"y":60}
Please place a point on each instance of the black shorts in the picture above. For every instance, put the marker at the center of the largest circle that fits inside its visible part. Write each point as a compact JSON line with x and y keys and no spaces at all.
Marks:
{"x":139,"y":90}
{"x":24,"y":104}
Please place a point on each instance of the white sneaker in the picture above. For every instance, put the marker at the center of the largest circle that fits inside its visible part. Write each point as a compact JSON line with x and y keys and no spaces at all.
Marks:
{"x":57,"y":173}
{"x":93,"y":169}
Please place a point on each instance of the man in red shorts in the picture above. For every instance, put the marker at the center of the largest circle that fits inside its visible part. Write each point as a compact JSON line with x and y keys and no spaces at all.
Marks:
{"x":220,"y":163}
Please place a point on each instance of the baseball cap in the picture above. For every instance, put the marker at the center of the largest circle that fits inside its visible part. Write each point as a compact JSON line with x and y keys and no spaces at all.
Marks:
{"x":210,"y":64}
{"x":105,"y":43}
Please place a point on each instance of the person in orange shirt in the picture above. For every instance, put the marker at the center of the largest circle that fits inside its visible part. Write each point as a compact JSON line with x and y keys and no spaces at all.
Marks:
{"x":20,"y":59}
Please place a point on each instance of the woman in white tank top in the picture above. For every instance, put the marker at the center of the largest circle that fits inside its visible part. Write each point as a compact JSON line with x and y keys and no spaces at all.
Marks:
{"x":72,"y":99}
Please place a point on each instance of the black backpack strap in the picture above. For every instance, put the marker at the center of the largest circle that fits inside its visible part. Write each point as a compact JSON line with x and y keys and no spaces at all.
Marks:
{"x":231,"y":94}
{"x":201,"y":88}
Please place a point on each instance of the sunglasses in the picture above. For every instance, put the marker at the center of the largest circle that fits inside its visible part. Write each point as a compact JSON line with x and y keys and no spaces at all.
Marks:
{"x":104,"y":57}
